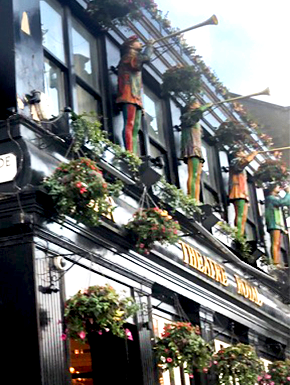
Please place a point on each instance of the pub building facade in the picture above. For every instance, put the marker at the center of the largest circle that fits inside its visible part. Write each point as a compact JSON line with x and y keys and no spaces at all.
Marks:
{"x":56,"y":48}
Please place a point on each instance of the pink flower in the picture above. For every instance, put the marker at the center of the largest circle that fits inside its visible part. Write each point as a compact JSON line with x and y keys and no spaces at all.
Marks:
{"x":191,"y":376}
{"x":63,"y":337}
{"x":272,"y":383}
{"x":129,"y":334}
{"x":79,"y":184}
{"x":169,"y":359}
{"x":107,"y":330}
{"x":267,"y":376}
{"x":205,"y":370}
{"x":82,"y":335}
{"x":100,"y":332}
{"x":215,"y":363}
{"x":288,"y":378}
{"x":259,"y":378}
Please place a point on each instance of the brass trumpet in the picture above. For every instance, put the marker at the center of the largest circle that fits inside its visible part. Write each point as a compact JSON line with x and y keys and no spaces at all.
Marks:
{"x":211,"y":21}
{"x":264,"y":92}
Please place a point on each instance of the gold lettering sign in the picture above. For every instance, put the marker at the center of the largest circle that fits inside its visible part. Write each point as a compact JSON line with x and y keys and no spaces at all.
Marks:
{"x":248,"y":291}
{"x":203,"y":264}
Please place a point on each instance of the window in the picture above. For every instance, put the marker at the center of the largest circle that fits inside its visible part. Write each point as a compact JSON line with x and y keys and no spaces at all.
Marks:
{"x":153,"y":113}
{"x":173,"y":377}
{"x":72,"y":82}
{"x":52,"y":28}
{"x":210,"y":186}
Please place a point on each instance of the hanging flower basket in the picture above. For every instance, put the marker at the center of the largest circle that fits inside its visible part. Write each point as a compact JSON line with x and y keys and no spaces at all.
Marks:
{"x":115,"y":12}
{"x":182,"y":81}
{"x":272,"y":171}
{"x":97,"y":309}
{"x":79,"y":190}
{"x":181,"y":345}
{"x":234,"y":135}
{"x":237,"y":364}
{"x":152,"y":225}
{"x":278,"y":373}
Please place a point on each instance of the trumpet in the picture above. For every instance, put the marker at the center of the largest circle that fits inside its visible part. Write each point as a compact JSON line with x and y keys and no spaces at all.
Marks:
{"x":211,"y":21}
{"x":264,"y":92}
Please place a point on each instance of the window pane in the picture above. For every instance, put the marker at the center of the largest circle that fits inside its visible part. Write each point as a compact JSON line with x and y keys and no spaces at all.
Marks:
{"x":85,"y":101}
{"x":52,"y":28}
{"x":84,"y":54}
{"x":54,"y":87}
{"x":153,"y":115}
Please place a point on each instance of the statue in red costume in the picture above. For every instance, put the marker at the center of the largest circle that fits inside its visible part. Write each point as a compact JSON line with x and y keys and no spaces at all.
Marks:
{"x":130,"y":88}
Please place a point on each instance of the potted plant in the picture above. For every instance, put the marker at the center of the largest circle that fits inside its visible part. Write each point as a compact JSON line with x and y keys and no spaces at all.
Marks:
{"x":97,"y":309}
{"x":278,"y":373}
{"x":181,"y":345}
{"x":271,"y":171}
{"x":79,"y":190}
{"x":152,"y":225}
{"x":237,"y":364}
{"x":113,"y":12}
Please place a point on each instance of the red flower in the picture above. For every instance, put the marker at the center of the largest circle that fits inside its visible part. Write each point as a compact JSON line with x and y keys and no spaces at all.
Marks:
{"x":83,"y":190}
{"x":79,"y":184}
{"x":169,"y":359}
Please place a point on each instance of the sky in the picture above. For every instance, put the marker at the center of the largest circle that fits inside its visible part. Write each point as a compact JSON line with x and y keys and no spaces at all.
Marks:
{"x":248,"y":50}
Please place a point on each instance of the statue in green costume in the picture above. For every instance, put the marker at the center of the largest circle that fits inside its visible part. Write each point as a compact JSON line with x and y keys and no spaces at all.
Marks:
{"x":191,"y":132}
{"x":274,"y":218}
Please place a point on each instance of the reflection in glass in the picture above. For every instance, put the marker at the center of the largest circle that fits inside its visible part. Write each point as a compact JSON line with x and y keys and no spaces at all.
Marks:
{"x":85,"y":101}
{"x":84,"y":53}
{"x":54,"y":87}
{"x":52,"y":28}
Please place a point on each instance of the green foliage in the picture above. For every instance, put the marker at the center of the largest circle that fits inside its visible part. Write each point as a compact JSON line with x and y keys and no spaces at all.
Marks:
{"x":97,"y":309}
{"x":116,"y":12}
{"x":237,"y":364}
{"x":176,"y":198}
{"x":79,"y":190}
{"x":239,"y":240}
{"x":151,"y":225}
{"x":182,"y":81}
{"x":87,"y":131}
{"x":272,"y":171}
{"x":278,"y":373}
{"x":181,"y":344}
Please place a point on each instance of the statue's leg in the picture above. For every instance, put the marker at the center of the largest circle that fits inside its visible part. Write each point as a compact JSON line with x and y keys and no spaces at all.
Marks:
{"x":136,"y":128}
{"x":241,"y":210}
{"x":275,"y":246}
{"x":194,"y":168}
{"x":129,"y":113}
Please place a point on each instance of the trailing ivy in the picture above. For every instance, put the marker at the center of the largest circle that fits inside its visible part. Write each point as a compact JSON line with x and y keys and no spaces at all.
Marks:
{"x":87,"y":132}
{"x":176,"y":199}
{"x":239,"y":240}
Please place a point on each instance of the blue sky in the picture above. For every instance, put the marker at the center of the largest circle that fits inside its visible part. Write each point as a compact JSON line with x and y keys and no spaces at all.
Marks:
{"x":249,"y":50}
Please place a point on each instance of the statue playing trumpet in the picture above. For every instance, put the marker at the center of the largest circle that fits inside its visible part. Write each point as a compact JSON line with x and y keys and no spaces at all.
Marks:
{"x":129,"y":98}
